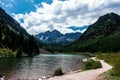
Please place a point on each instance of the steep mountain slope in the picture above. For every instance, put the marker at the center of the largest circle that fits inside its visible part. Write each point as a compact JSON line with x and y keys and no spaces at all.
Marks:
{"x":105,"y":26}
{"x":14,"y":37}
{"x":102,"y":36}
{"x":55,"y":37}
{"x":11,"y":23}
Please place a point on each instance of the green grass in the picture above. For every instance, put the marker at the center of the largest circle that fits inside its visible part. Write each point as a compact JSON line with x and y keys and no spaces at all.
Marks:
{"x":6,"y":53}
{"x":91,"y":64}
{"x":107,"y":76}
{"x":114,"y":60}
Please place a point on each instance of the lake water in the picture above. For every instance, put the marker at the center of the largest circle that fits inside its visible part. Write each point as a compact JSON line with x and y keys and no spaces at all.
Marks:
{"x":41,"y":65}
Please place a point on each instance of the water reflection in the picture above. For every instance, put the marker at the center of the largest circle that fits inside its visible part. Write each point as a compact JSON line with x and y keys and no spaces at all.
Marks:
{"x":41,"y":65}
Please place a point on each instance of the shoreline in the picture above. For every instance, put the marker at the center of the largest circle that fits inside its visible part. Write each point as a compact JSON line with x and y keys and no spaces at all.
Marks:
{"x":84,"y":75}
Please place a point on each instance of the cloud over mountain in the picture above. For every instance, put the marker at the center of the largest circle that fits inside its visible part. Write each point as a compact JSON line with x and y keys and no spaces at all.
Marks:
{"x":61,"y":14}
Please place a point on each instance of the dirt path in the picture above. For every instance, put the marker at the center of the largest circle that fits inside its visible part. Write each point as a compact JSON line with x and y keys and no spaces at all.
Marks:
{"x":85,"y":75}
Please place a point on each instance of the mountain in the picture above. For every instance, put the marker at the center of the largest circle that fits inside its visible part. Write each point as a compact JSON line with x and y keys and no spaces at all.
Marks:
{"x":106,"y":25}
{"x":102,"y":36}
{"x":11,"y":23}
{"x":55,"y":37}
{"x":15,"y":38}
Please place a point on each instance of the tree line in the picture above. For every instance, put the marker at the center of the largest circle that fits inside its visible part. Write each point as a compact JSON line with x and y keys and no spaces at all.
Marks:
{"x":17,"y":41}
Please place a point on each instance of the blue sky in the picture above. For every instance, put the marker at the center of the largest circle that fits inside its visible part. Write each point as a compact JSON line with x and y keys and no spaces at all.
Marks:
{"x":75,"y":28}
{"x":66,"y":16}
{"x":21,"y":6}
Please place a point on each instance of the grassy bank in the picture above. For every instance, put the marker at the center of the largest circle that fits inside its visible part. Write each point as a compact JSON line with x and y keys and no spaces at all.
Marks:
{"x":6,"y":53}
{"x":114,"y":60}
{"x":76,"y":53}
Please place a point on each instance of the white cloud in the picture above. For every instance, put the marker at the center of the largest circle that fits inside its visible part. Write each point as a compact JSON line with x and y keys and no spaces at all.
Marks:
{"x":62,"y":14}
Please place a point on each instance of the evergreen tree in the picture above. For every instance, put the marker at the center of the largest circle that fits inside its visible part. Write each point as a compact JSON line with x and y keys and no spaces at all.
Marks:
{"x":0,"y":37}
{"x":19,"y":53}
{"x":30,"y":46}
{"x":0,"y":33}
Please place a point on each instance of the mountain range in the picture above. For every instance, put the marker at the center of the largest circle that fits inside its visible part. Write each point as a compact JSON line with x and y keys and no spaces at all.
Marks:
{"x":101,"y":36}
{"x":55,"y":37}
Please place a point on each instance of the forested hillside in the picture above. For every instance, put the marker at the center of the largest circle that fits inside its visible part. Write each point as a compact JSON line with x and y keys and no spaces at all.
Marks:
{"x":102,"y":36}
{"x":15,"y":38}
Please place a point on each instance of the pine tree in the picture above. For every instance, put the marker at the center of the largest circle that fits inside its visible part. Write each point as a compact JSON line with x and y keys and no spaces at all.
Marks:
{"x":0,"y":37}
{"x":30,"y":46}
{"x":19,"y":53}
{"x":0,"y":33}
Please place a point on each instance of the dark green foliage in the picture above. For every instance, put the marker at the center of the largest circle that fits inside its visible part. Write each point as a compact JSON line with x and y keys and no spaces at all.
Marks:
{"x":31,"y":47}
{"x":19,"y":53}
{"x":114,"y":60}
{"x":0,"y":37}
{"x":53,"y":47}
{"x":91,"y":64}
{"x":58,"y":72}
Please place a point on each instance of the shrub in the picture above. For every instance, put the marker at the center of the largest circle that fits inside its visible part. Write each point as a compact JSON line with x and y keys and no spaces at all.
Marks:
{"x":91,"y":64}
{"x":58,"y":72}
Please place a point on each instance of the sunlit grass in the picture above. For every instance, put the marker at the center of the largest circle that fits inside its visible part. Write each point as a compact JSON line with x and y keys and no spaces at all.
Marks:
{"x":6,"y":53}
{"x":114,"y":60}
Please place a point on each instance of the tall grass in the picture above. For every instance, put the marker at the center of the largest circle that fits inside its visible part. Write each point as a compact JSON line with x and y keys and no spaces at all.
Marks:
{"x":114,"y":60}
